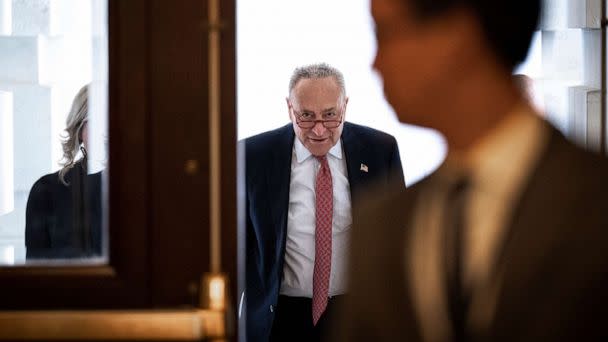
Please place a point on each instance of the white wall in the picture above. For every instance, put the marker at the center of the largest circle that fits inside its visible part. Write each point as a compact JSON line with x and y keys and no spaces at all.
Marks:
{"x":7,"y":196}
{"x":565,"y":63}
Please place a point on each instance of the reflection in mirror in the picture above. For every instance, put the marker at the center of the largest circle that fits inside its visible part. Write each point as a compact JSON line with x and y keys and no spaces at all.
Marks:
{"x":53,"y":131}
{"x":63,"y":213}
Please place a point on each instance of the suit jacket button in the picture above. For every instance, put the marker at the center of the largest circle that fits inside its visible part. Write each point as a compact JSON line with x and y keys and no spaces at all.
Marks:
{"x":271,"y":308}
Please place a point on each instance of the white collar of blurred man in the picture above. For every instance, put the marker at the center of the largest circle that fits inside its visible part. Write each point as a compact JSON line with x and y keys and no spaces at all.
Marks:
{"x":320,"y":99}
{"x":441,"y":71}
{"x":509,"y":149}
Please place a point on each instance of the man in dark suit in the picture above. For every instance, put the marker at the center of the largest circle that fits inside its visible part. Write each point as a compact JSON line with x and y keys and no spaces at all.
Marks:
{"x":301,"y":180}
{"x":506,"y":241}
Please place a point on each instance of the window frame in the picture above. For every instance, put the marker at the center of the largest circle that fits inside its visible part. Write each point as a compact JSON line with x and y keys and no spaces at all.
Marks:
{"x":156,"y":203}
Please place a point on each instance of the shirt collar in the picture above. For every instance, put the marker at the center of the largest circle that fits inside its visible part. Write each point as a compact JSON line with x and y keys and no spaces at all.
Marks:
{"x":302,"y":153}
{"x":498,"y":158}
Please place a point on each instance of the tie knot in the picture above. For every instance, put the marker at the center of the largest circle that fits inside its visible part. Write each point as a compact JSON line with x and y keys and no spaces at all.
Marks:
{"x":458,"y":191}
{"x":461,"y":184}
{"x":322,"y":160}
{"x":454,"y":180}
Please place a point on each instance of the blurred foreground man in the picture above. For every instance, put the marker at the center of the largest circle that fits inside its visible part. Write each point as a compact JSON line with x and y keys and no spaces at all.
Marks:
{"x":508,"y":239}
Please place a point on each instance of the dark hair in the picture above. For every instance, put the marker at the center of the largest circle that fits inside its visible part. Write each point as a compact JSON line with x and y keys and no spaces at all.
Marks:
{"x":508,"y":24}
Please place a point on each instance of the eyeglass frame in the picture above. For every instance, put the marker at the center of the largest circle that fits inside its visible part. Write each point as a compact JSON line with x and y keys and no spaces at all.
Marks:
{"x":298,"y":116}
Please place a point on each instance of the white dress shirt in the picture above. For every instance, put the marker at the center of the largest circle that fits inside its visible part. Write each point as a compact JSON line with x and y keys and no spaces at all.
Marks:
{"x":497,"y":167}
{"x":300,"y":244}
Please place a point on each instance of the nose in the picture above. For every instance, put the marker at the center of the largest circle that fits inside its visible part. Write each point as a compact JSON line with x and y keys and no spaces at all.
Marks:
{"x":318,"y":129}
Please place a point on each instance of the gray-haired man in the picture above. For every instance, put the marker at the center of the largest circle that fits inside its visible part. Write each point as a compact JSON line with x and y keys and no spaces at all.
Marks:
{"x":301,"y":180}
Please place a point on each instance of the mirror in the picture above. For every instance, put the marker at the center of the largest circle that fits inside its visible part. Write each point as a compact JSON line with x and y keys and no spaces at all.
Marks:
{"x":53,"y":131}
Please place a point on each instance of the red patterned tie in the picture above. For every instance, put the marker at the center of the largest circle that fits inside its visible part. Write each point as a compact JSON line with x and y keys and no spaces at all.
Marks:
{"x":324,"y":212}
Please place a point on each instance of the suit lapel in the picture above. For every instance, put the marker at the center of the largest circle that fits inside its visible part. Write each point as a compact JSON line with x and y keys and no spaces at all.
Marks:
{"x":355,"y":154}
{"x":525,"y":213}
{"x":278,"y":180}
{"x":531,"y":230}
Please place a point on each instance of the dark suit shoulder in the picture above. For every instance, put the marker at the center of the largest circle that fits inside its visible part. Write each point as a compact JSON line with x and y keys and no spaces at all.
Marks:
{"x":268,"y":138}
{"x":266,"y":147}
{"x":384,"y":196}
{"x":40,"y":203}
{"x":392,"y":203}
{"x":368,"y":134}
{"x":46,"y":183}
{"x":569,"y":165}
{"x":272,"y":137}
{"x":50,"y":183}
{"x":591,"y":163}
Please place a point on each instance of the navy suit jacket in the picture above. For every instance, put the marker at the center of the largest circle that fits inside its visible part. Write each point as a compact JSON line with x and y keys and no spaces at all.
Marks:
{"x":268,"y":172}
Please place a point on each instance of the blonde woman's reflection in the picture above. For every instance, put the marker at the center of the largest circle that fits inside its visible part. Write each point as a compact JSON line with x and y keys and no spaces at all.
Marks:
{"x":63,"y":215}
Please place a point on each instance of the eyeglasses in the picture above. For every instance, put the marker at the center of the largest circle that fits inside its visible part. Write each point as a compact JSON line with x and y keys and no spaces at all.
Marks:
{"x":307,"y":120}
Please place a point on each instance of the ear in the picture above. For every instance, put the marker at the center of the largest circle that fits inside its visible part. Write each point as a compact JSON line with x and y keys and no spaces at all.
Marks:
{"x":288,"y":102}
{"x":463,"y":38}
{"x":344,"y":110}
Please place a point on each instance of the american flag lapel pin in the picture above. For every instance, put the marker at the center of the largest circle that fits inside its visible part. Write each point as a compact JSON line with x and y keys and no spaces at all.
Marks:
{"x":363,"y":167}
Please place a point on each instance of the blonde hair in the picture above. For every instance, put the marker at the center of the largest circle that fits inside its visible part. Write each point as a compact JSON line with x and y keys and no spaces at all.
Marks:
{"x":72,"y":138}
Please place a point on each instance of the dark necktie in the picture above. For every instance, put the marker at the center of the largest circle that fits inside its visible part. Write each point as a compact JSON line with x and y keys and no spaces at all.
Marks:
{"x":324,"y":213}
{"x":458,"y":296}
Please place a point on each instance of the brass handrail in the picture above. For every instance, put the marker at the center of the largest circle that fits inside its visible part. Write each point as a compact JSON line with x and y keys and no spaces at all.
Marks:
{"x":156,"y":325}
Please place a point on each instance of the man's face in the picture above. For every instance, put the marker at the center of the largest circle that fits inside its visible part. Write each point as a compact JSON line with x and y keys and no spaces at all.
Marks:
{"x":413,"y":59}
{"x":317,"y":99}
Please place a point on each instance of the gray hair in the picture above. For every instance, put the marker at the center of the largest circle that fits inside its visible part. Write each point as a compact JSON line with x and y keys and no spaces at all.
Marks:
{"x":319,"y":70}
{"x":71,"y":139}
